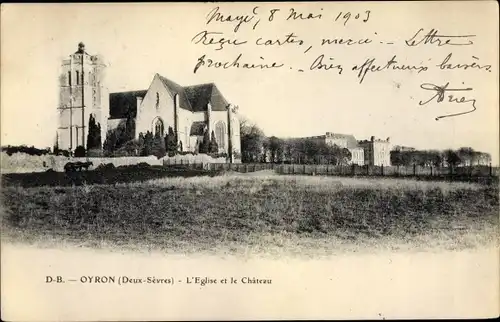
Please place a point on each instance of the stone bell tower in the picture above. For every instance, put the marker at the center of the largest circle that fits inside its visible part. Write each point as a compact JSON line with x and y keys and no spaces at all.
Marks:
{"x":81,"y":94}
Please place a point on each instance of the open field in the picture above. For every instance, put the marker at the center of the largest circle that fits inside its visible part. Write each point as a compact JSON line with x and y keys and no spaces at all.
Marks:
{"x":256,"y":213}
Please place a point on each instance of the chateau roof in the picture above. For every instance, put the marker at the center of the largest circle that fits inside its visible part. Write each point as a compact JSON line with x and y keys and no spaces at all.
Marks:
{"x":350,"y":139}
{"x":123,"y":103}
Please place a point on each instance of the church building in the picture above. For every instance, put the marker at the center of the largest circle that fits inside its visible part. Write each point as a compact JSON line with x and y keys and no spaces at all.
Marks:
{"x":191,"y":111}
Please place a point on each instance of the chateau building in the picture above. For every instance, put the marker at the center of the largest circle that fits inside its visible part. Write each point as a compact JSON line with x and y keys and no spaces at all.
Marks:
{"x":367,"y":152}
{"x":347,"y":141}
{"x":377,"y":151}
{"x":190,"y":111}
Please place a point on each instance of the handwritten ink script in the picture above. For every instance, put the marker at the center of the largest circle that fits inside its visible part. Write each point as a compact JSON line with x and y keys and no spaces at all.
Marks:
{"x":263,"y":38}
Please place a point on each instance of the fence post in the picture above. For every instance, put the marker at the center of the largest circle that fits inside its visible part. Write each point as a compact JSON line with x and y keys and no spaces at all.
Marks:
{"x":414,"y":170}
{"x":304,"y":169}
{"x":431,"y":170}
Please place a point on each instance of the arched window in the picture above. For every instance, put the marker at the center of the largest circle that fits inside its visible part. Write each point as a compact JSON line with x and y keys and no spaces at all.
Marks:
{"x":220,"y":134}
{"x":159,"y":127}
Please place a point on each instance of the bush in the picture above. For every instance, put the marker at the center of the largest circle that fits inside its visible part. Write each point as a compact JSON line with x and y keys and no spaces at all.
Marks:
{"x":79,"y":151}
{"x":9,"y":149}
{"x":103,"y":167}
{"x":186,"y":153}
{"x":95,"y":153}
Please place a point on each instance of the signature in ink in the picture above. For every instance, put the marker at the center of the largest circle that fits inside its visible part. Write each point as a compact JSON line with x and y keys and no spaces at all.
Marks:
{"x":440,"y":94}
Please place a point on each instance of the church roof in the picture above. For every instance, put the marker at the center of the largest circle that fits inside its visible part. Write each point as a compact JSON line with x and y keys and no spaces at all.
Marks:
{"x":198,"y":128}
{"x":192,"y":98}
{"x":196,"y":98}
{"x":200,"y":95}
{"x":121,"y":104}
{"x":176,"y":89}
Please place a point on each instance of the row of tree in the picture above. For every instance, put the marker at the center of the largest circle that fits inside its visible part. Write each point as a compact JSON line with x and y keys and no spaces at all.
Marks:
{"x":122,"y":143}
{"x":256,"y":147}
{"x":464,"y":156}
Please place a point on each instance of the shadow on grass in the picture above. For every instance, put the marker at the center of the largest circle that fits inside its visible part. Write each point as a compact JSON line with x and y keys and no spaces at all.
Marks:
{"x":104,"y":176}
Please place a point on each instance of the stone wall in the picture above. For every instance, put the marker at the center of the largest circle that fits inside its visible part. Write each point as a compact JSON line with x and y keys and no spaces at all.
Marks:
{"x":22,"y":162}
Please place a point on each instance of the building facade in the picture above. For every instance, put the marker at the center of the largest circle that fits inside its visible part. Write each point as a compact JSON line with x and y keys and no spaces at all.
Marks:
{"x":189,"y":110}
{"x":81,"y":93}
{"x":376,"y":152}
{"x":346,"y":141}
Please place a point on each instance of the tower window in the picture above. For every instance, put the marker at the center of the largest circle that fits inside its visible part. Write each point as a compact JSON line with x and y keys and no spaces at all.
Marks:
{"x":77,"y":78}
{"x":157,"y":100}
{"x":69,"y":78}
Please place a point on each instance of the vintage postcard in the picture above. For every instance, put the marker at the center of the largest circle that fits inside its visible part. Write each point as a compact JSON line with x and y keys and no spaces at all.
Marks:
{"x":236,"y":161}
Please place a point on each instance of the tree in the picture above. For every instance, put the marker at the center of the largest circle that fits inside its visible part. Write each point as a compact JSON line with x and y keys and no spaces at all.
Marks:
{"x":451,"y":157}
{"x":110,"y":143}
{"x":204,"y":145}
{"x":171,"y":142}
{"x":129,"y":131}
{"x":396,"y":157}
{"x":132,"y":147}
{"x":213,"y":147}
{"x":436,"y":158}
{"x":466,"y":155}
{"x":482,"y":158}
{"x":276,"y":149}
{"x":79,"y":151}
{"x":158,"y":146}
{"x":56,"y":144}
{"x":252,"y":139}
{"x":148,"y":144}
{"x":345,"y":156}
{"x":141,"y":140}
{"x":94,"y":134}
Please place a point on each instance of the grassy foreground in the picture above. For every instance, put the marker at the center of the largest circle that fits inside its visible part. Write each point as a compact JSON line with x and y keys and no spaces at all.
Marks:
{"x":255,"y":213}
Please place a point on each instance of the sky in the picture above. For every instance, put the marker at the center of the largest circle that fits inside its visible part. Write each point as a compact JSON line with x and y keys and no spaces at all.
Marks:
{"x":139,"y":40}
